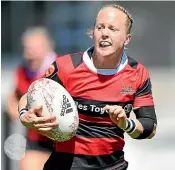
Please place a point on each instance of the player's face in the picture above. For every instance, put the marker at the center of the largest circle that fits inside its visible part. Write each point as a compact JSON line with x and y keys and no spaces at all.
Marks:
{"x":35,"y":47}
{"x":110,"y":33}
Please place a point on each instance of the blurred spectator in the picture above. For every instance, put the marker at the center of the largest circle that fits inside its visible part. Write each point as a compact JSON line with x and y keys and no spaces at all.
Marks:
{"x":38,"y":53}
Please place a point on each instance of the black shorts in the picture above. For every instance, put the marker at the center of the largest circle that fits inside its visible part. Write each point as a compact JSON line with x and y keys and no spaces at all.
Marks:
{"x":63,"y":161}
{"x":43,"y":146}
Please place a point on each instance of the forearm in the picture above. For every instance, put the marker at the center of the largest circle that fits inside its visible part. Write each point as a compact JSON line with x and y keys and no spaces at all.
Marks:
{"x":22,"y":109}
{"x":22,"y":105}
{"x":144,"y":128}
{"x":147,"y":117}
{"x":132,"y":127}
{"x":138,"y":131}
{"x":149,"y":128}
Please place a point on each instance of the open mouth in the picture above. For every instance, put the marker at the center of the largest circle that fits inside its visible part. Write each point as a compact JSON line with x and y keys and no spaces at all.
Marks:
{"x":104,"y":44}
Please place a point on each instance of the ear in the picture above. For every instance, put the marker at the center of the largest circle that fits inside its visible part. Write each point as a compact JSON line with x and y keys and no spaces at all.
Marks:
{"x":128,"y":39}
{"x":91,"y":34}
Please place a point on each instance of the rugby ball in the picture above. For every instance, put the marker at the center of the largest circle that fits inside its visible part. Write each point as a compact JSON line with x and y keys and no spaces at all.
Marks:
{"x":55,"y":101}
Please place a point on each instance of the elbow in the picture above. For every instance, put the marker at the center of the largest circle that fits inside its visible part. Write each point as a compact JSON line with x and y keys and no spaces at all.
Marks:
{"x":149,"y":128}
{"x":151,"y":136}
{"x":147,"y":117}
{"x":153,"y":132}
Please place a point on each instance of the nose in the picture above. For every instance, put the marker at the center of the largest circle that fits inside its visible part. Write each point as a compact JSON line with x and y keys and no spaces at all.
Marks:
{"x":104,"y":32}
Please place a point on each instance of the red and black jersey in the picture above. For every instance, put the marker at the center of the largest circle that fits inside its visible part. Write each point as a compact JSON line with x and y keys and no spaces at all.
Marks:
{"x":98,"y":143}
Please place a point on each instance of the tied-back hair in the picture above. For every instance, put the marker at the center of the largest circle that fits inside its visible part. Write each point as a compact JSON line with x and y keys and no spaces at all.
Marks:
{"x":129,"y":19}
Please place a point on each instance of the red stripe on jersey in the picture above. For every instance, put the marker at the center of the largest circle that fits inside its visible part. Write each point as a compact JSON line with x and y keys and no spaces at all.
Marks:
{"x":90,"y":146}
{"x":100,"y":120}
{"x":148,"y":101}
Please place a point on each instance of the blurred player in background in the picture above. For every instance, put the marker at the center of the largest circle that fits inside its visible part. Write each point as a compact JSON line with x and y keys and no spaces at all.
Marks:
{"x":106,"y":85}
{"x":38,"y":53}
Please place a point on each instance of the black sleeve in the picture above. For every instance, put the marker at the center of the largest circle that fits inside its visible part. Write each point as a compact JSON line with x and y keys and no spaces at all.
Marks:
{"x":147,"y":117}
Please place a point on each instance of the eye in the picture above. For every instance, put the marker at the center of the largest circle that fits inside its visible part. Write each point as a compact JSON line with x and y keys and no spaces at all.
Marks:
{"x":114,"y":29}
{"x":99,"y":27}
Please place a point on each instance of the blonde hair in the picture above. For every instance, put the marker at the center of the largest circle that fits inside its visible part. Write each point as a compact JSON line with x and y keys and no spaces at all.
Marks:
{"x":129,"y":19}
{"x":38,"y":30}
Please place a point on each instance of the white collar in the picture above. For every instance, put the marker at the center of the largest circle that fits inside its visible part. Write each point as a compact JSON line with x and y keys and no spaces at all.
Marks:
{"x":87,"y":60}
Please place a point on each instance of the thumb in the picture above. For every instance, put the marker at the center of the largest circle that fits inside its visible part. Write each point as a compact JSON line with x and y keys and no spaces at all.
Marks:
{"x":106,"y":108}
{"x":38,"y":111}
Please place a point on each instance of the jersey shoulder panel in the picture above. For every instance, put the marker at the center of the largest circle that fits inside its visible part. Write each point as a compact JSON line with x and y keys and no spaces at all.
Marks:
{"x":63,"y":66}
{"x":71,"y":60}
{"x":132,"y":62}
{"x":143,"y":74}
{"x":143,"y":95}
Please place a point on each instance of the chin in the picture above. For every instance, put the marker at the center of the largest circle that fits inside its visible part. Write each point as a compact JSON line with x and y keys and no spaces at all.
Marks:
{"x":105,"y":53}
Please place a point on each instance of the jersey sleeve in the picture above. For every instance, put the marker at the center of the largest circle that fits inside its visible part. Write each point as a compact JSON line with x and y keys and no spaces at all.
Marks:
{"x":143,"y":95}
{"x":60,"y":69}
{"x":53,"y":73}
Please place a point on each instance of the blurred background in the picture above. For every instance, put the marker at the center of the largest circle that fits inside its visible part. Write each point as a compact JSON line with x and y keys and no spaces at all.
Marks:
{"x":153,"y":44}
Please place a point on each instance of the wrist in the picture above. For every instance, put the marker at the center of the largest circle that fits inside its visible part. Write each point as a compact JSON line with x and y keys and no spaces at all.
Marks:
{"x":130,"y":126}
{"x":22,"y":111}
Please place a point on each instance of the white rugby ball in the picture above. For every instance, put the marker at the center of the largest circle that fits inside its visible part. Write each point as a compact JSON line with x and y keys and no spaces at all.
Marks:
{"x":55,"y":101}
